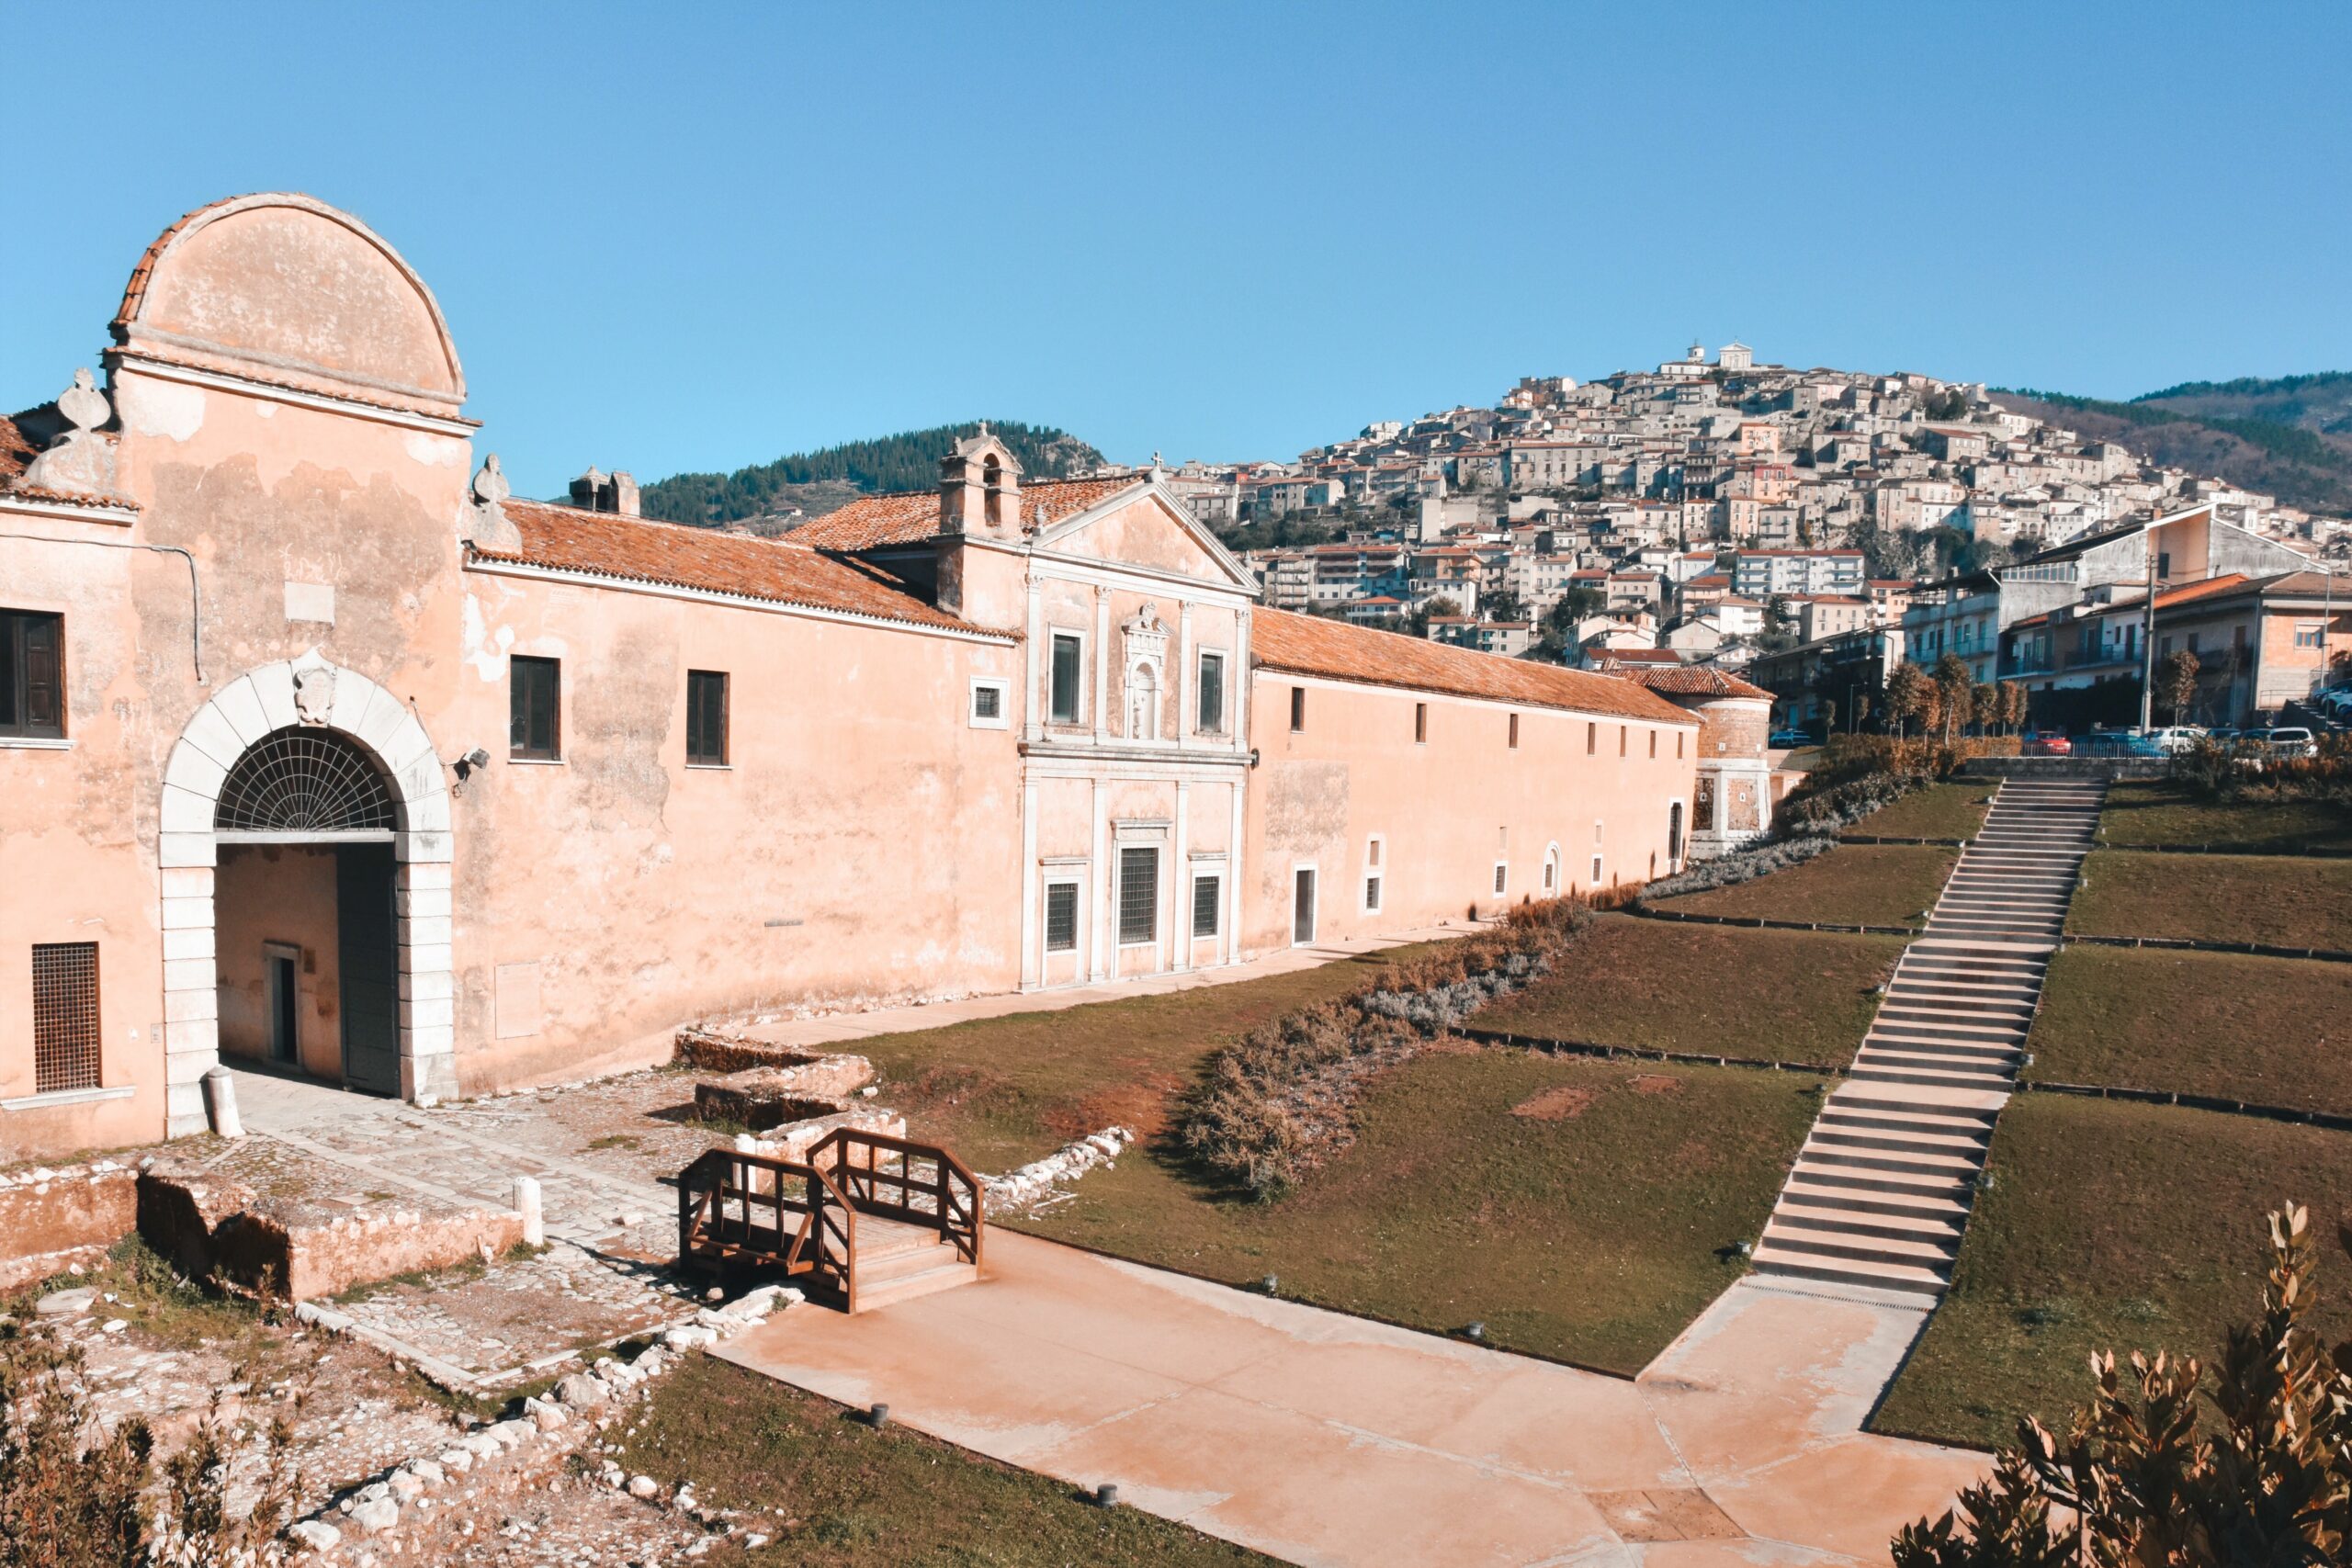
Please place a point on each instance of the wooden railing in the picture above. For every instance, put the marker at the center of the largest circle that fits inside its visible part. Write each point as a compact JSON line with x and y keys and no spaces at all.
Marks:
{"x":893,"y":1178}
{"x":762,"y":1209}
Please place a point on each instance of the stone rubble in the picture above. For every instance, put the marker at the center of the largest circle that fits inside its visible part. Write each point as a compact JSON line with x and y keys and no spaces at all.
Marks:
{"x":1038,"y":1179}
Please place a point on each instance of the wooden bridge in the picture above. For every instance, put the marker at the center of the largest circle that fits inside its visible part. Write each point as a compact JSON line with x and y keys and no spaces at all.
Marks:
{"x":866,"y":1219}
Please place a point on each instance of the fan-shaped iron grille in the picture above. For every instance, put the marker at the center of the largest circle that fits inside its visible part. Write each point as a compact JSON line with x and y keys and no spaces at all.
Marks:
{"x":303,"y":780}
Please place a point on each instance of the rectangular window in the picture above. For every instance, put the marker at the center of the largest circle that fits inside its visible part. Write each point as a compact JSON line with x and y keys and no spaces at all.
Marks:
{"x":1064,"y":709}
{"x":1502,"y":878}
{"x":1372,"y":894}
{"x":706,"y":718}
{"x":1211,"y":708}
{"x":1138,"y":895}
{"x":1514,"y":732}
{"x":65,"y":1015}
{"x":1061,"y":916}
{"x":1623,"y":730}
{"x":1420,"y":724}
{"x":1592,"y":738}
{"x":1297,"y":709}
{"x":535,"y":689}
{"x":1595,"y":871}
{"x":989,"y":704}
{"x":1677,"y":745}
{"x":32,"y":683}
{"x":2306,"y":634}
{"x":1653,"y":742}
{"x":1207,"y":902}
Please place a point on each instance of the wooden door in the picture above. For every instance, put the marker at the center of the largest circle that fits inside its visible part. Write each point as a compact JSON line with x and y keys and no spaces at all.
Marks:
{"x":371,"y":1033}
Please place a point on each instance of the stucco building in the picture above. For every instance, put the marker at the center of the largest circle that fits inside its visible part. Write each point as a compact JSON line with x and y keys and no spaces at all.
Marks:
{"x":318,"y":744}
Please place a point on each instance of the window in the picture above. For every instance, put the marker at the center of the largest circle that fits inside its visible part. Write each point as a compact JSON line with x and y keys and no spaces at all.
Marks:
{"x":1514,"y":732}
{"x":32,"y":685}
{"x":65,"y":1015}
{"x":1595,"y":871}
{"x":535,"y":693}
{"x":706,"y":718}
{"x":1420,"y":724}
{"x":988,"y":705}
{"x":2307,"y":634}
{"x":1622,"y":731}
{"x":1212,"y":707}
{"x":1138,"y":894}
{"x":1677,"y":745}
{"x":1592,"y":738}
{"x":1374,"y":851}
{"x":1206,"y":904}
{"x":1502,"y":876}
{"x":1652,"y":743}
{"x":1064,"y":708}
{"x":1297,"y":709}
{"x":1061,"y":916}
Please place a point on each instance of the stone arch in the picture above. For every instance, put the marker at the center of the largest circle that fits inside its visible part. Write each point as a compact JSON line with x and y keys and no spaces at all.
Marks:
{"x":307,"y":690}
{"x":284,"y":287}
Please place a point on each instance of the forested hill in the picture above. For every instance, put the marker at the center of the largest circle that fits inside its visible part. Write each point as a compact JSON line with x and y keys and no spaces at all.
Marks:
{"x":2290,"y":437}
{"x":818,"y":482}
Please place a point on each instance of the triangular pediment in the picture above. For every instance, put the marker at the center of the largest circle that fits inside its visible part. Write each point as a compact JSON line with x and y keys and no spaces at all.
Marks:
{"x":1147,"y":528}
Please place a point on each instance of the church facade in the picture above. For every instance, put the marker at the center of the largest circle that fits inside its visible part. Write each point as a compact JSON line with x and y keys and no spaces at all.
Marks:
{"x":319,"y":746}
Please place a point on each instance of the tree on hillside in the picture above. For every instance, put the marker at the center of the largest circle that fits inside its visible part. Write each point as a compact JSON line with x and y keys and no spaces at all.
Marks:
{"x":1502,"y":605}
{"x":2150,"y":1475}
{"x":908,"y":460}
{"x":1910,"y":693}
{"x":1954,"y":684}
{"x":2176,"y":684}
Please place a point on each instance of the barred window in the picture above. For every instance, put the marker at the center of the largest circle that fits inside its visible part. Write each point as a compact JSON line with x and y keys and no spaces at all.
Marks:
{"x":1061,"y":916}
{"x":1205,"y":905}
{"x":1138,"y":894}
{"x":1502,"y":876}
{"x":65,"y":1015}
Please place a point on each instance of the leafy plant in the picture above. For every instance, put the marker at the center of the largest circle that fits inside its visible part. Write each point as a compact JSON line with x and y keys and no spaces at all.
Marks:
{"x":2138,"y":1481}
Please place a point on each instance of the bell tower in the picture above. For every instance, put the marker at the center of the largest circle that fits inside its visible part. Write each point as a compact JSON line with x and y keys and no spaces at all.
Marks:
{"x":980,"y":488}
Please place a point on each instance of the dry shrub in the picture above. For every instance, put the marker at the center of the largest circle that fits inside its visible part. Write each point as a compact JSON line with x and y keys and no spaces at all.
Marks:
{"x":1274,"y":1102}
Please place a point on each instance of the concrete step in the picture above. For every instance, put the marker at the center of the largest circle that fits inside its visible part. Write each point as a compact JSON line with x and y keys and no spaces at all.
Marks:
{"x":1949,"y":1203}
{"x":930,"y":1282}
{"x":1877,"y":1116}
{"x":1922,"y":1163}
{"x":1865,"y":1140}
{"x":1938,"y":1231}
{"x":1772,"y":1259}
{"x":1861,"y":1246}
{"x":1936,"y":1077}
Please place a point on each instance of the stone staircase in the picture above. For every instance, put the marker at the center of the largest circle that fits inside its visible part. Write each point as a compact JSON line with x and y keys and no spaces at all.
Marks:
{"x":1882,"y":1187}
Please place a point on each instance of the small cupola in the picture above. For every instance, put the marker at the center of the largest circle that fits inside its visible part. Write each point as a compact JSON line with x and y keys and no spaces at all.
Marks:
{"x":979,"y":488}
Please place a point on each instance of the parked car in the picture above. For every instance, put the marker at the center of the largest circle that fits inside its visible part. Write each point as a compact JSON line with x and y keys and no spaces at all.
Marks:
{"x":2289,"y":740}
{"x":1788,"y":739}
{"x":2047,"y":743}
{"x":2174,"y":740}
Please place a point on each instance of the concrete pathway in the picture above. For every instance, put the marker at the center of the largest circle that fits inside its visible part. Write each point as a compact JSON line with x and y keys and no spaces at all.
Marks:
{"x":1326,"y":1439}
{"x":833,"y":1030}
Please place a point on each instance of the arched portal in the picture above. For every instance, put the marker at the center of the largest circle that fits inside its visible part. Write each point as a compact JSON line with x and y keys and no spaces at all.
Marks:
{"x":306,"y":796}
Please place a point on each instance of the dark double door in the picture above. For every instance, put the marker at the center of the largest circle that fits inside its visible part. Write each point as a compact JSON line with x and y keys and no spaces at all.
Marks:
{"x":367,"y":957}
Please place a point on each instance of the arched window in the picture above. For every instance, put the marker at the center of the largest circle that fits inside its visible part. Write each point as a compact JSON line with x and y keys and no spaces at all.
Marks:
{"x":304,"y":780}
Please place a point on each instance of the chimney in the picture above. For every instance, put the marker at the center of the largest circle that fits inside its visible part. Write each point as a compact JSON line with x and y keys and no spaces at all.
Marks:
{"x":598,"y":492}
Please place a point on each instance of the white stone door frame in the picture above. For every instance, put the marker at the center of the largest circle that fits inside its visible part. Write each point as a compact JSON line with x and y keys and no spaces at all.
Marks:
{"x":256,"y":704}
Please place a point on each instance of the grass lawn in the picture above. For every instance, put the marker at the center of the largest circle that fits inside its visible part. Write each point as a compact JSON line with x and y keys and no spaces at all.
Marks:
{"x":1003,"y":1091}
{"x":2158,"y":813}
{"x":2285,"y":900}
{"x":2274,"y":1031}
{"x":1870,"y":885}
{"x":1791,"y":996}
{"x":836,"y":1491}
{"x":1575,"y":1207}
{"x":1939,"y":811}
{"x":2111,"y":1226}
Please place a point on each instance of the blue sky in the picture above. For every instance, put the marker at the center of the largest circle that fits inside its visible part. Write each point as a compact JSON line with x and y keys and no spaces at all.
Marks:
{"x":701,"y":237}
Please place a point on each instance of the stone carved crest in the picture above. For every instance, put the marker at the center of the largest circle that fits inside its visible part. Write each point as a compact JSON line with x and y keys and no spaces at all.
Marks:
{"x":80,"y":461}
{"x":484,"y":523}
{"x":1144,"y":646}
{"x":314,"y":692}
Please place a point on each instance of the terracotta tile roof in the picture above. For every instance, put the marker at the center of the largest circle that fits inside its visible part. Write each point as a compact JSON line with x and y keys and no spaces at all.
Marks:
{"x":2205,"y":590}
{"x":1697,"y":681}
{"x":1306,"y":645}
{"x":635,"y":549}
{"x":906,"y":517}
{"x":16,"y":453}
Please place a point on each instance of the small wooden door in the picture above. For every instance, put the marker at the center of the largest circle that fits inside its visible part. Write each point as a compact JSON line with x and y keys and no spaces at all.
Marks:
{"x":278,"y":970}
{"x":1302,"y":925}
{"x":372,"y":1031}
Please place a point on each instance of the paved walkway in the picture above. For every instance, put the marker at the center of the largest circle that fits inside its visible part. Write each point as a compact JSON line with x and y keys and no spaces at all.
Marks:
{"x":1322,"y":1438}
{"x":833,"y":1030}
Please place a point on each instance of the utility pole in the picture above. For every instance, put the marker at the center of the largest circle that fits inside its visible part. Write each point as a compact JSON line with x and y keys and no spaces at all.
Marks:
{"x":2148,"y":640}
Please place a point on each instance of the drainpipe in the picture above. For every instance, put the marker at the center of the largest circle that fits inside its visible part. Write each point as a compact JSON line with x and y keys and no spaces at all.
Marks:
{"x":195,"y":600}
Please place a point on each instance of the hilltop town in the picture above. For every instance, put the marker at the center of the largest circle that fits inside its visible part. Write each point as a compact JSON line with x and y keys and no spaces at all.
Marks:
{"x":1756,"y":516}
